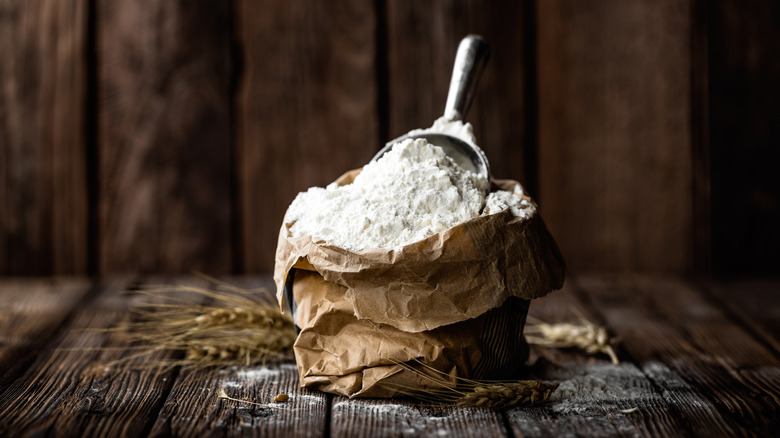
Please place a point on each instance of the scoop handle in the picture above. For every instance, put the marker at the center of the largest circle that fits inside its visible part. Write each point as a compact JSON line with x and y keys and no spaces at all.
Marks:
{"x":471,"y":58}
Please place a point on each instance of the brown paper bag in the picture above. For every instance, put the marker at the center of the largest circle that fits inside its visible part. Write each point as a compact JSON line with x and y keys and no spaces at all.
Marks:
{"x":455,"y":301}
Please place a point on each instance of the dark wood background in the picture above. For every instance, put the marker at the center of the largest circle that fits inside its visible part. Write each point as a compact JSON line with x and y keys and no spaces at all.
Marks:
{"x":166,"y":137}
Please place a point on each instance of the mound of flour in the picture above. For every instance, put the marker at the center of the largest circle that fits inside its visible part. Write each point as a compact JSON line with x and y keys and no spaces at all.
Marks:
{"x":502,"y":199}
{"x":412,"y":192}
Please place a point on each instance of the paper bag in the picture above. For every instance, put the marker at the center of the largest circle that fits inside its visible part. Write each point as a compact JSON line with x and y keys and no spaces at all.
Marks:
{"x":375,"y":321}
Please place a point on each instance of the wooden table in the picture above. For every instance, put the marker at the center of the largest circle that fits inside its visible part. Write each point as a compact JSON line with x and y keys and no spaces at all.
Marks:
{"x":699,"y":358}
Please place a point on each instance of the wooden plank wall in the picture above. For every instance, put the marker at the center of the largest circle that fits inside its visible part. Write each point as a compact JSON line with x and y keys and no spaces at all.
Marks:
{"x":306,"y":109}
{"x":144,"y":136}
{"x":43,"y":163}
{"x":614,"y":132}
{"x":164,"y":136}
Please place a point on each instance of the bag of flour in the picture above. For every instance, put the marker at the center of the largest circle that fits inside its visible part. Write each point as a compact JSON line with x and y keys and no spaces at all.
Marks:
{"x":409,"y":267}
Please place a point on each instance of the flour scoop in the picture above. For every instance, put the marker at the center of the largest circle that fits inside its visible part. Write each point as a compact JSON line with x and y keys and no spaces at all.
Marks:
{"x":470,"y":60}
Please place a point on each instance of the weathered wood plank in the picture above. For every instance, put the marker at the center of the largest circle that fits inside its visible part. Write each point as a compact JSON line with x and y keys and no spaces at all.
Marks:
{"x":306,"y":108}
{"x":31,"y":311}
{"x":614,"y":133}
{"x":72,"y":389}
{"x":193,"y":407}
{"x":754,"y":303}
{"x":394,"y":417}
{"x":593,"y":391}
{"x":43,"y":165}
{"x":164,"y":93}
{"x":669,"y":327}
{"x":596,"y":398}
{"x":421,"y":41}
{"x":696,"y":373}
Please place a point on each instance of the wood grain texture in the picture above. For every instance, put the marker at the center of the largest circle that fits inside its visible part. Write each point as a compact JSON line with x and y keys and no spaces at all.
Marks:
{"x":755,"y":303}
{"x":164,"y":93}
{"x":148,"y":137}
{"x":72,"y":388}
{"x":670,"y":328}
{"x":596,"y":398}
{"x":385,"y":418}
{"x":421,"y":41}
{"x":744,"y":133}
{"x":194,"y":409}
{"x":31,"y":311}
{"x":614,"y":133}
{"x":306,"y":108}
{"x":592,"y":391}
{"x":688,"y":367}
{"x":194,"y":396}
{"x":43,"y":191}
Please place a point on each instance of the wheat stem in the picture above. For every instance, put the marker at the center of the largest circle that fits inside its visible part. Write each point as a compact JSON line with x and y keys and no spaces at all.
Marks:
{"x":238,"y":327}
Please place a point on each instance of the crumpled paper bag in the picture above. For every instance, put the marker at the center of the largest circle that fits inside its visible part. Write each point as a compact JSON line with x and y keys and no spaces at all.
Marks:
{"x":375,"y":321}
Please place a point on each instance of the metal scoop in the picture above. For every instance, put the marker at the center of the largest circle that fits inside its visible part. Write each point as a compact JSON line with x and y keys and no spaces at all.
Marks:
{"x":473,"y":53}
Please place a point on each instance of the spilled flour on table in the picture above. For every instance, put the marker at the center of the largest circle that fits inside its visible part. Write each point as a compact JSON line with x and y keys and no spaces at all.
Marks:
{"x":604,"y":383}
{"x":247,"y":377}
{"x":596,"y":388}
{"x":393,"y":417}
{"x":250,"y":387}
{"x":263,"y":373}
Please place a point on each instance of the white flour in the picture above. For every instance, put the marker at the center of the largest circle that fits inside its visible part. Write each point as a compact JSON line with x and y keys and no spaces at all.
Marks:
{"x":455,"y":128}
{"x":412,"y":192}
{"x":502,"y":199}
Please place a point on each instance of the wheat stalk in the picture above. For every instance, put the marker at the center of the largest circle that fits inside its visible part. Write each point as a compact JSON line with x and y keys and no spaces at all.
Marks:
{"x":241,"y":326}
{"x":439,"y":388}
{"x":238,"y":326}
{"x":508,"y":394}
{"x":586,"y":336}
{"x":247,"y":348}
{"x":491,"y":394}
